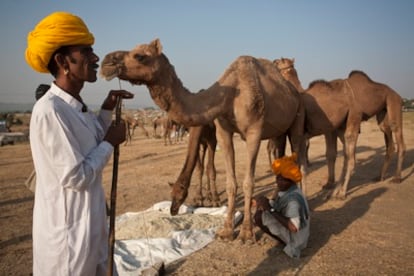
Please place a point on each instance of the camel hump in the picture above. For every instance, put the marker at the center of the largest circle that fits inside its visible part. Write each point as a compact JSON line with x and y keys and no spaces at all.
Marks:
{"x":358,"y":73}
{"x":257,"y":62}
{"x":319,"y":83}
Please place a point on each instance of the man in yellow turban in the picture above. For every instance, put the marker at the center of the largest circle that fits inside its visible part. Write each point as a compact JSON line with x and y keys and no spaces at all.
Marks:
{"x":70,"y":147}
{"x":285,"y":218}
{"x":54,"y":31}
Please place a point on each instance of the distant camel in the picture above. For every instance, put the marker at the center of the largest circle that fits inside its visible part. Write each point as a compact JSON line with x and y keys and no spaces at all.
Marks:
{"x":179,"y":131}
{"x":166,"y":125}
{"x":251,"y":98}
{"x":131,"y":124}
{"x":204,"y":136}
{"x":336,"y":109}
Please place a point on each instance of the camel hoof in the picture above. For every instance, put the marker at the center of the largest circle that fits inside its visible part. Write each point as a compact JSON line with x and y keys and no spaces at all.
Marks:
{"x":339,"y":195}
{"x":225,"y":234}
{"x":246,"y":236}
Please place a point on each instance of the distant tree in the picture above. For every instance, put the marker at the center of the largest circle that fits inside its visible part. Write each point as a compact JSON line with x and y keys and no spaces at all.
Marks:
{"x":408,"y":104}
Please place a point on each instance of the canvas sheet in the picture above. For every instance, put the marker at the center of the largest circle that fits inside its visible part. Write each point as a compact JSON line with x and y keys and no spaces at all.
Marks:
{"x":146,"y":238}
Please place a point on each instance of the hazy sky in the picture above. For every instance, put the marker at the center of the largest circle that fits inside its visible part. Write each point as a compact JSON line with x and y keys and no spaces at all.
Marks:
{"x":328,"y":39}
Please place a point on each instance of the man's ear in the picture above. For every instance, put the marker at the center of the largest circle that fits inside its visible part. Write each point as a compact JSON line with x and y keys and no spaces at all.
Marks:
{"x":61,"y":61}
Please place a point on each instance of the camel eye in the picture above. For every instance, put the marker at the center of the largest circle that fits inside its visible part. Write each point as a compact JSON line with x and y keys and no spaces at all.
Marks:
{"x":139,"y":57}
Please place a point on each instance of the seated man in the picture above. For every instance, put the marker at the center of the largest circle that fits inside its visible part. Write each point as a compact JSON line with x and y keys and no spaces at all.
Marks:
{"x":285,"y":218}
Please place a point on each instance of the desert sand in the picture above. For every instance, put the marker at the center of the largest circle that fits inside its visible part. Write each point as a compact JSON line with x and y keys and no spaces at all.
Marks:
{"x":371,"y":232}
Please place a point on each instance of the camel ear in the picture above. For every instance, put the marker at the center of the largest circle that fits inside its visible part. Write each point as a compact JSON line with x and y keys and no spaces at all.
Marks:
{"x":156,"y":43}
{"x":276,"y":61}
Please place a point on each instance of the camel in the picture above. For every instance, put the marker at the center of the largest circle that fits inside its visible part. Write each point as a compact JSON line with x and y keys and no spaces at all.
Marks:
{"x":250,"y":98}
{"x":179,"y":131}
{"x":166,"y":125}
{"x":336,"y":109}
{"x":204,"y":136}
{"x":131,"y":124}
{"x":276,"y":146}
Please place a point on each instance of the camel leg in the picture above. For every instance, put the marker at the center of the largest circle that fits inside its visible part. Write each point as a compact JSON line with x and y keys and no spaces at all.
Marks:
{"x":271,"y":151}
{"x":143,"y":130}
{"x":382,"y":121}
{"x":307,"y":145}
{"x":341,"y":135}
{"x":225,"y":140}
{"x":199,"y":198}
{"x":297,"y":139}
{"x":394,"y":121}
{"x":331,"y":151}
{"x":276,"y":148}
{"x":211,"y":173}
{"x":351,"y":136}
{"x":398,"y":133}
{"x":297,"y":144}
{"x":252,"y":146}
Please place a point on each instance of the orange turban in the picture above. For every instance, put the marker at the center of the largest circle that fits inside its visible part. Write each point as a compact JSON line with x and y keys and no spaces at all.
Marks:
{"x":54,"y":31}
{"x":287,"y":167}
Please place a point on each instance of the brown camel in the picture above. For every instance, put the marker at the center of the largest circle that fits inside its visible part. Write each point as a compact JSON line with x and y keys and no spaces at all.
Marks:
{"x":204,"y":136}
{"x":131,"y":124}
{"x":337,"y":108}
{"x":251,"y":98}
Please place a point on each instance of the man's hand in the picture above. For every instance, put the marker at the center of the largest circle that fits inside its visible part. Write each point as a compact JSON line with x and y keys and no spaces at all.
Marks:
{"x":116,"y":134}
{"x":110,"y":101}
{"x":261,"y":203}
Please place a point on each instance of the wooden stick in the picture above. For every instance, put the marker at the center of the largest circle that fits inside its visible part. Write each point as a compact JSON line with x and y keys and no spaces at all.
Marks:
{"x":113,"y":193}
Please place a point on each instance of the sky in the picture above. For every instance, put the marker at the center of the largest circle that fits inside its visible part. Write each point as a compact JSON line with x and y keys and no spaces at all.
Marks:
{"x":328,"y":39}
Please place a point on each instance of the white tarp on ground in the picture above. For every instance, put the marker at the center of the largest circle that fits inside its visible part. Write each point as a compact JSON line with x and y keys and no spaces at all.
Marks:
{"x":146,"y":238}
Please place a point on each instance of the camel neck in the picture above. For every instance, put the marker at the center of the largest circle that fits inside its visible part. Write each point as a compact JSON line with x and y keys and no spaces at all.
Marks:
{"x":183,"y":106}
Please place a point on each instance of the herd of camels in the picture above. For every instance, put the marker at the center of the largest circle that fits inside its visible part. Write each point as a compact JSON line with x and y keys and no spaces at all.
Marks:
{"x":261,"y":99}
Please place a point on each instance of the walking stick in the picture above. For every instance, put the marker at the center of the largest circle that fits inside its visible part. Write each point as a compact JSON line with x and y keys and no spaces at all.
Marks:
{"x":113,"y":192}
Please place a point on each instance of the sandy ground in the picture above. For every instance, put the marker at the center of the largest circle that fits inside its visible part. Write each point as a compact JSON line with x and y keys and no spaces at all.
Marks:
{"x":369,"y":233}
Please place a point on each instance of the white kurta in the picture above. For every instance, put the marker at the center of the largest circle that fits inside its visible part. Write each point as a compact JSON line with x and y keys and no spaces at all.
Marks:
{"x":70,"y":232}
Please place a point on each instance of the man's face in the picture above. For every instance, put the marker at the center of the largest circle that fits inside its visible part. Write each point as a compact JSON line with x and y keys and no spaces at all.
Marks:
{"x":283,"y":183}
{"x":83,"y":63}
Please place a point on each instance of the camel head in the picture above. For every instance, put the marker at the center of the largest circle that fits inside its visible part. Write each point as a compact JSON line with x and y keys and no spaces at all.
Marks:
{"x":138,"y":66}
{"x":287,"y":69}
{"x":178,"y":195}
{"x":284,"y":63}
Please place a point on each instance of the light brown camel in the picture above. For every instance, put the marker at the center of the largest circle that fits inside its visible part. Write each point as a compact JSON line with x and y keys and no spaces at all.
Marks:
{"x":337,"y":108}
{"x":204,"y":136}
{"x":276,"y":147}
{"x":131,"y":124}
{"x":251,"y":98}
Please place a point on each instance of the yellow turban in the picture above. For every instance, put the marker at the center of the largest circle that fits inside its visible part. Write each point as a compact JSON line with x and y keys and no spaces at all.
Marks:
{"x":54,"y":31}
{"x":287,"y":167}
